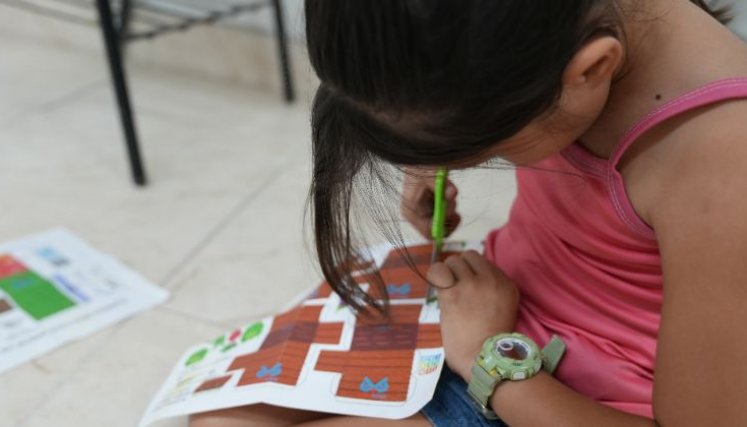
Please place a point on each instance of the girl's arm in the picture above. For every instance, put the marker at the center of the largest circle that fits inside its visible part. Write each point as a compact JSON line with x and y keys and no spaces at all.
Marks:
{"x":545,"y":401}
{"x":700,"y":218}
{"x":701,"y":225}
{"x":478,"y":301}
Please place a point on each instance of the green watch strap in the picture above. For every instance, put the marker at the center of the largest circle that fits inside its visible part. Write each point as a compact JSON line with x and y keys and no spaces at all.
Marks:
{"x":481,"y":387}
{"x":552,"y":353}
{"x":482,"y":384}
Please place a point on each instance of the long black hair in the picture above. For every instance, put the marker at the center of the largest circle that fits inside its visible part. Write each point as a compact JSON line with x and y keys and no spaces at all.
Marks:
{"x":427,"y":83}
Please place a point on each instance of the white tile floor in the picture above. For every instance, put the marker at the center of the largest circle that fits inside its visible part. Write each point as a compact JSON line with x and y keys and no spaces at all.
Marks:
{"x":218,"y":226}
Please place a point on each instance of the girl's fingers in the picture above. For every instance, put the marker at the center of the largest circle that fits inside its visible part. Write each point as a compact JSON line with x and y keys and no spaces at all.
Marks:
{"x":424,"y":203}
{"x":418,"y":202}
{"x":450,"y":191}
{"x":424,"y":228}
{"x":417,"y":209}
{"x":440,"y":276}
{"x":459,"y":267}
{"x":422,"y":225}
{"x":477,"y":263}
{"x":452,"y":222}
{"x":450,"y":194}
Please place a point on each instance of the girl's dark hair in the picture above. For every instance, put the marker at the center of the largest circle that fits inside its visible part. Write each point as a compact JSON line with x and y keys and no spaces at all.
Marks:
{"x":427,"y":83}
{"x":723,"y":14}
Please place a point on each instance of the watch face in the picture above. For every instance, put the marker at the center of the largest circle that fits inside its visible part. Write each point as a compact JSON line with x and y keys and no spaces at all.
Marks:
{"x":513,"y":348}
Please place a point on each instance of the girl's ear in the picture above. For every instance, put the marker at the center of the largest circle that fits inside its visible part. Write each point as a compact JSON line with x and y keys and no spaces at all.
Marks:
{"x":588,"y":77}
{"x":594,"y":64}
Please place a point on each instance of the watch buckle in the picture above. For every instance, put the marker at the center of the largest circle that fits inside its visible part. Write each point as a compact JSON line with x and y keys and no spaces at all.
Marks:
{"x":485,"y":411}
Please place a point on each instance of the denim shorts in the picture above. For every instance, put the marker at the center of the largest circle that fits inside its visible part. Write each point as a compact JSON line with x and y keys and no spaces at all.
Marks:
{"x":452,"y":406}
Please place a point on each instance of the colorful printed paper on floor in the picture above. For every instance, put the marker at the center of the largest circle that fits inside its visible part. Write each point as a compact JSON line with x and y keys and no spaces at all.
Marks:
{"x":319,"y":356}
{"x":54,"y":288}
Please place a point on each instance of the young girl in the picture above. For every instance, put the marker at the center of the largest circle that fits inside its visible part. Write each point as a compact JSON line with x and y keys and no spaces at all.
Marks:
{"x":628,"y":238}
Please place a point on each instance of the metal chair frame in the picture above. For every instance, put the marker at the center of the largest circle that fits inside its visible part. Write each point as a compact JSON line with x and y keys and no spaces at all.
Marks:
{"x":160,"y":17}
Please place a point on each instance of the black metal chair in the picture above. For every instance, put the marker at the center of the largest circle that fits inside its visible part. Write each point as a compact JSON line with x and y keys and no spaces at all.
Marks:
{"x":154,"y":18}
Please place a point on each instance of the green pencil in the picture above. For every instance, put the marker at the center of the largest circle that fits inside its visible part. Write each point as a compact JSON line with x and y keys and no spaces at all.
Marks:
{"x":438,"y":225}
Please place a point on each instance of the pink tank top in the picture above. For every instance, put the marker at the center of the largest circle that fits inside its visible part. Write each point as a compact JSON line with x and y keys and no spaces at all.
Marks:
{"x":588,"y":266}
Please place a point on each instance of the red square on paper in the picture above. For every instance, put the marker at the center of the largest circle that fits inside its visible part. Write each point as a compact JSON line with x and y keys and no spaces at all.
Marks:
{"x":9,"y":266}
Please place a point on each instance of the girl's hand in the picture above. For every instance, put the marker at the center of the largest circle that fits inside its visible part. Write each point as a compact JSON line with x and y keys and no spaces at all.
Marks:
{"x":417,"y":201}
{"x":477,"y":302}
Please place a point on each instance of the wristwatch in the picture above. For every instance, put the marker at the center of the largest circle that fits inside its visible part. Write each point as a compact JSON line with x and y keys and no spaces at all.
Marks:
{"x":509,"y":357}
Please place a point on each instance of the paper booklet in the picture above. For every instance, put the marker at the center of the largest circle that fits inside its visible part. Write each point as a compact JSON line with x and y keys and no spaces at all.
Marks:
{"x":55,"y":288}
{"x":318,"y":356}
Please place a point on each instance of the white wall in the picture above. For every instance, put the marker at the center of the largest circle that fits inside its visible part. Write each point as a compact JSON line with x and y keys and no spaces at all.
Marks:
{"x":295,"y":24}
{"x":293,"y":13}
{"x":740,"y":22}
{"x":214,"y":52}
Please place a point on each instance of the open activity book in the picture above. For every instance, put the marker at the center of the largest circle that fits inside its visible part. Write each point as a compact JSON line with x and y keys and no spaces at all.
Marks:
{"x":319,"y":356}
{"x":55,"y":288}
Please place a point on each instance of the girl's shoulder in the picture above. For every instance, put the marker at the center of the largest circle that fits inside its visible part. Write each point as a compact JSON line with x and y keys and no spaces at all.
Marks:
{"x":715,"y":131}
{"x":699,"y":148}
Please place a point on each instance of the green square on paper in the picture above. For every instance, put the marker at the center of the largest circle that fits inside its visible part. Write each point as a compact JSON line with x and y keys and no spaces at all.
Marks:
{"x":35,"y":295}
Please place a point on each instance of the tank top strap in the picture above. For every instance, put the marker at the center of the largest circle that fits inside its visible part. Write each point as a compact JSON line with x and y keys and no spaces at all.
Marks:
{"x":721,"y":90}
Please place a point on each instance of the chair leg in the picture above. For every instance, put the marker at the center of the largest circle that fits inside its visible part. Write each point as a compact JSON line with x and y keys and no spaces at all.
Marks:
{"x":119,"y":80}
{"x":283,"y":52}
{"x":123,"y":24}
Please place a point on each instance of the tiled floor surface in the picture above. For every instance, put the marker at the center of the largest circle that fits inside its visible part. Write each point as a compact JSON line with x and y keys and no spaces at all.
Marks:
{"x":220,"y":226}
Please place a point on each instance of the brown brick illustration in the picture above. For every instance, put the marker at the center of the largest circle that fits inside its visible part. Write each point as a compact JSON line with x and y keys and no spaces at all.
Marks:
{"x":213,"y":383}
{"x":379,"y":363}
{"x":282,"y":354}
{"x":401,"y":281}
{"x":5,"y":305}
{"x":322,"y":291}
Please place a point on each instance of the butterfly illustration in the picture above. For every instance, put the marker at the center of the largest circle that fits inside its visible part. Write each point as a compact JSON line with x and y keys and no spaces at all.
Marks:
{"x":403,"y":289}
{"x":273,"y":372}
{"x":368,"y":386}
